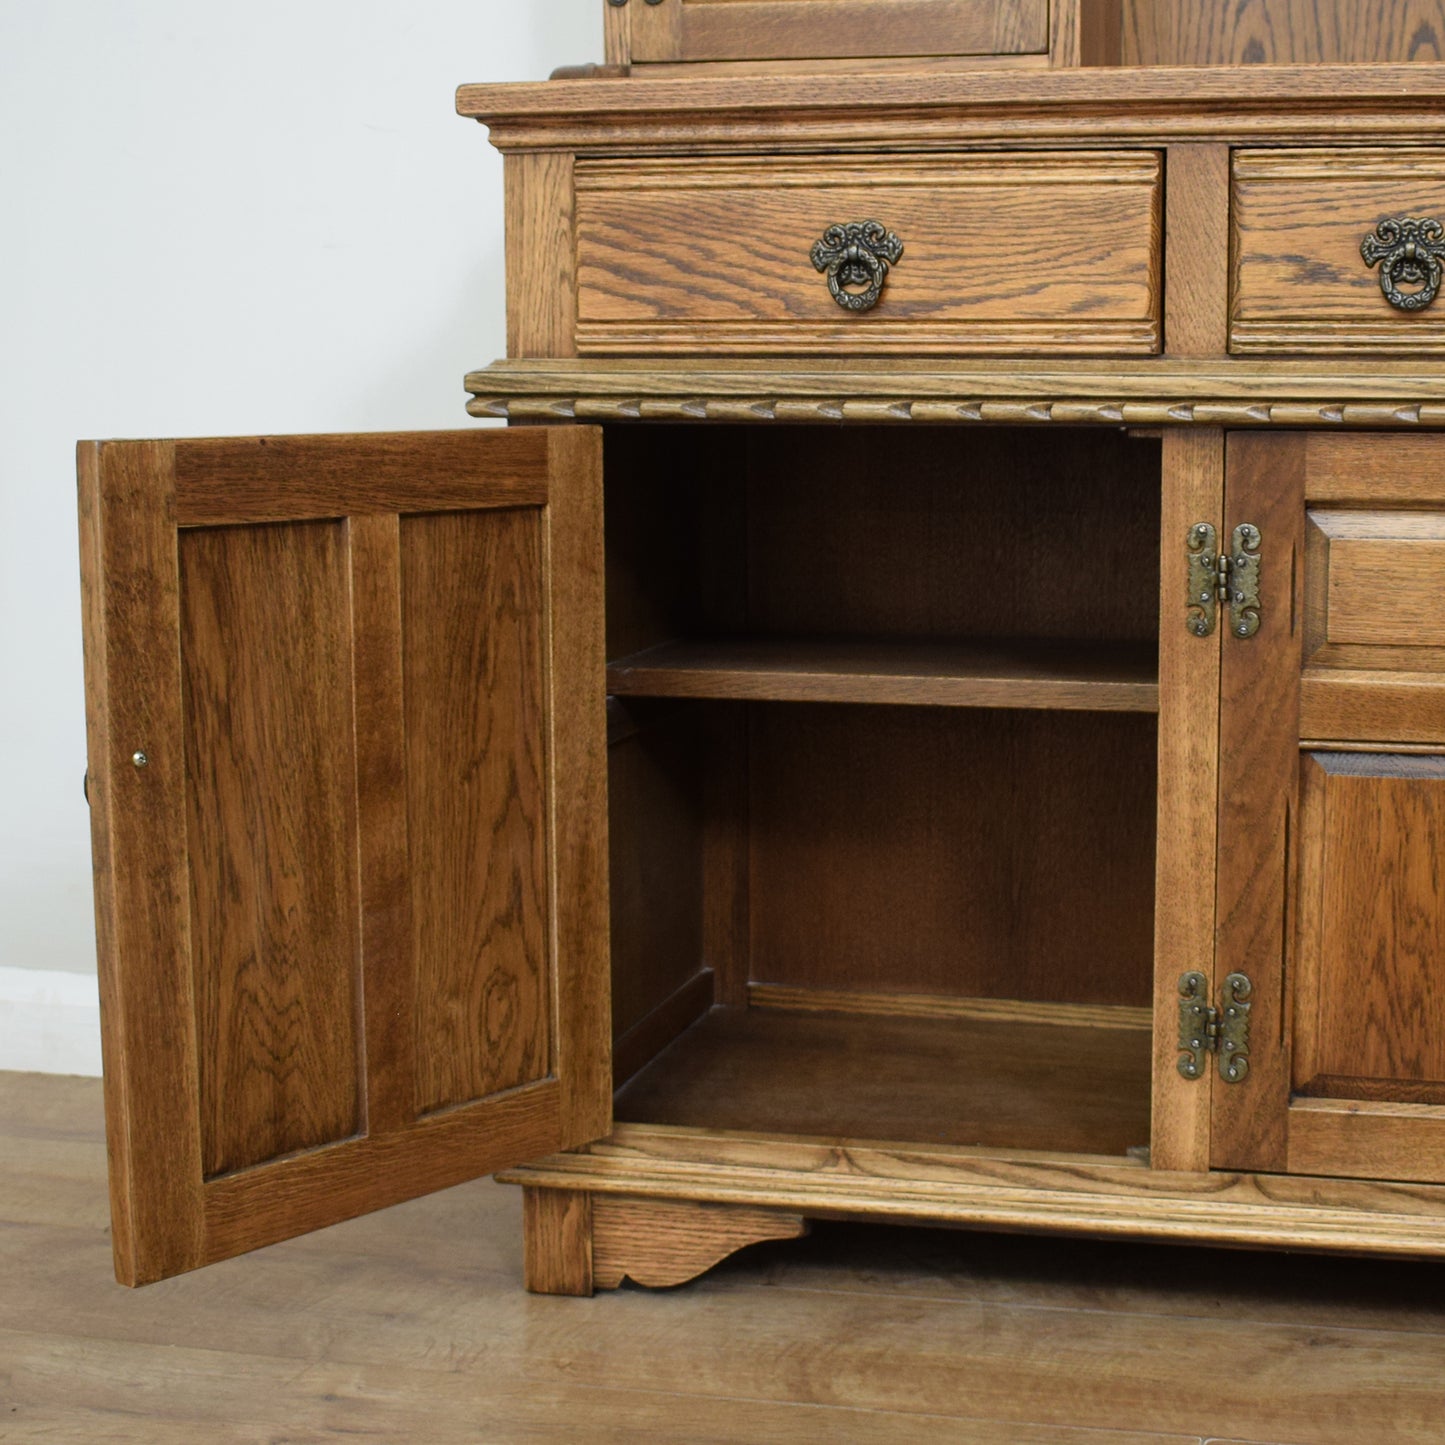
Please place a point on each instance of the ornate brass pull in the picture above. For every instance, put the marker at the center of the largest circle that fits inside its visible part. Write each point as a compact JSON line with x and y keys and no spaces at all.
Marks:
{"x":1407,"y":251}
{"x":857,"y":254}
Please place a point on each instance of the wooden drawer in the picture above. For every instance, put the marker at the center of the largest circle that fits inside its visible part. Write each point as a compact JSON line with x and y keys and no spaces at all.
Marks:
{"x":1300,"y":280}
{"x":674,"y":30}
{"x":1041,"y":253}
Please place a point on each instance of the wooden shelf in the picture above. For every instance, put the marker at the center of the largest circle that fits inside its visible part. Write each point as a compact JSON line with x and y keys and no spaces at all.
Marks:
{"x":993,"y":1084}
{"x":1090,"y":676}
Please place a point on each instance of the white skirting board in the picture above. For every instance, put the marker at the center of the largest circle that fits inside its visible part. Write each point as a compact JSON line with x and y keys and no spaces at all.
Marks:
{"x":49,"y":1021}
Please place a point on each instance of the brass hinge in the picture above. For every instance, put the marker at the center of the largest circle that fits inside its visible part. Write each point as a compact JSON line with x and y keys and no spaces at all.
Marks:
{"x":1229,"y":578}
{"x":1206,"y":1030}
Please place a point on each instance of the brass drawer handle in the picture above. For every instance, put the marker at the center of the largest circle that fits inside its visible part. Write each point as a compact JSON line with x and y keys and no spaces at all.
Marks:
{"x":857,"y":254}
{"x":1407,"y":251}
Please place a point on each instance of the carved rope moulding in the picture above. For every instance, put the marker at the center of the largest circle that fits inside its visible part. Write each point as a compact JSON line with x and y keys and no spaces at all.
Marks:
{"x":1065,"y":411}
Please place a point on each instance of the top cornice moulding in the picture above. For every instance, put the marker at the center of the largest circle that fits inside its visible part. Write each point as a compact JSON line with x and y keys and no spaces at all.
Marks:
{"x":1335,"y":102}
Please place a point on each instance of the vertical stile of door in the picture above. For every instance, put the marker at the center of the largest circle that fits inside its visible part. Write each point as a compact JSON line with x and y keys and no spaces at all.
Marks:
{"x":1193,"y":482}
{"x":1259,"y":740}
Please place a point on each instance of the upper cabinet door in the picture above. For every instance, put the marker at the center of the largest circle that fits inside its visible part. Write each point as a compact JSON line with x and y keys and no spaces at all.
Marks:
{"x":346,"y":713}
{"x":1332,"y":813}
{"x":679,"y":30}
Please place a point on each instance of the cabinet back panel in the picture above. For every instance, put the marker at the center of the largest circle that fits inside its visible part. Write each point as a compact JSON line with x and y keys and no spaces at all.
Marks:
{"x":953,"y":852}
{"x":272,"y":830}
{"x":876,"y":532}
{"x":674,"y":518}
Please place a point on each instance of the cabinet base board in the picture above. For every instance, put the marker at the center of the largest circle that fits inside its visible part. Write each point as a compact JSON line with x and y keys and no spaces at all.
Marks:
{"x":1000,"y":1190}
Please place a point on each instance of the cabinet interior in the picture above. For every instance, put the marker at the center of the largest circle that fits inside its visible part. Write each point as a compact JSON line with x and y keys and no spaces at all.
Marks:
{"x":882,"y":773}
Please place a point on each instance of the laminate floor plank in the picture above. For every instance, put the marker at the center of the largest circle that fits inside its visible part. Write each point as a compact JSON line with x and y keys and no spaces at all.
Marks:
{"x":61,"y":1387}
{"x":412,"y":1325}
{"x":1031,"y":1272}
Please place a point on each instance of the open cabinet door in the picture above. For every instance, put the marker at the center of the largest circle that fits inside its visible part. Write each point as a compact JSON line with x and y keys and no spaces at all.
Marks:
{"x":1332,"y":812}
{"x":345,"y":699}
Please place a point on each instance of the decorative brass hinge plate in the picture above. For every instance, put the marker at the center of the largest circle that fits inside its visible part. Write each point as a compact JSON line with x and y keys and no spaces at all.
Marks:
{"x":1204,"y":1029}
{"x":1216,"y":577}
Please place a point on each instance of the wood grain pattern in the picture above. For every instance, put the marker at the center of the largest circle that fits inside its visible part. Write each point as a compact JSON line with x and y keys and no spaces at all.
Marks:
{"x":1340,"y":704}
{"x":865,"y":534}
{"x":384,"y":883}
{"x":659,"y":269}
{"x":1053,"y":1192}
{"x":1299,"y":282}
{"x":1281,"y":32}
{"x":659,"y":1243}
{"x":1367,"y":1022}
{"x":540,"y":254}
{"x":868,"y":875}
{"x":710,"y":30}
{"x":1193,"y":491}
{"x":927,"y":1331}
{"x":577,"y":781}
{"x":931,"y":1006}
{"x":1259,"y":734}
{"x":999,"y":1083}
{"x":138,"y":832}
{"x":909,"y":110}
{"x":228,"y":481}
{"x":617,"y":34}
{"x":1007,"y":674}
{"x":1084,"y":32}
{"x":272,"y":838}
{"x":476,"y":788}
{"x":656,"y":822}
{"x":1382,"y":574}
{"x":1386,"y":1140}
{"x":1196,"y":250}
{"x":1373,"y":572}
{"x":557,"y":1241}
{"x":236,"y":1046}
{"x":1166,"y":392}
{"x":637,"y":1046}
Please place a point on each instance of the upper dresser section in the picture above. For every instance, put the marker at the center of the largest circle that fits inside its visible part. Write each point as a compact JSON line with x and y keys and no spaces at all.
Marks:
{"x":658,"y":36}
{"x":1042,"y":252}
{"x":655,"y":34}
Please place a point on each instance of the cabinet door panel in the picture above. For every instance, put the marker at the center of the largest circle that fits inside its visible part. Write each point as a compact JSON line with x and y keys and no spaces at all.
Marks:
{"x":345,"y":705}
{"x":1371,"y":1017}
{"x":1333,"y":812}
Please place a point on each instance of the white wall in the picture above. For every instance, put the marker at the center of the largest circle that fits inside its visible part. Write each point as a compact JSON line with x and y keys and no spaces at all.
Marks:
{"x":213,"y":219}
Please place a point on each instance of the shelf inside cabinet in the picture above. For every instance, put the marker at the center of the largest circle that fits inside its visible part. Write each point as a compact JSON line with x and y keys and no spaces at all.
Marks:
{"x":1077,"y":676}
{"x":991,"y":1083}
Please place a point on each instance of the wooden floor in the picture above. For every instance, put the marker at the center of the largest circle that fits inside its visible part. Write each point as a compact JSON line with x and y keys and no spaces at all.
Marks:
{"x":411,"y":1326}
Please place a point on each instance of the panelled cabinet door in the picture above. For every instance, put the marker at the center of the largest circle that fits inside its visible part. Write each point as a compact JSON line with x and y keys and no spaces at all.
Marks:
{"x":1332,"y":814}
{"x":345,"y":699}
{"x":686,"y":30}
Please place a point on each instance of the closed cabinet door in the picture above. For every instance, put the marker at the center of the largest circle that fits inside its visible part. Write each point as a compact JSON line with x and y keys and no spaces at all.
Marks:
{"x":346,"y":770}
{"x":1331,"y":865}
{"x":686,"y":30}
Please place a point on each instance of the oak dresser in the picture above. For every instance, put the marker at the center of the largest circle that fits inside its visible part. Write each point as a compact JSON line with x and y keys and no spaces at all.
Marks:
{"x":932,"y":710}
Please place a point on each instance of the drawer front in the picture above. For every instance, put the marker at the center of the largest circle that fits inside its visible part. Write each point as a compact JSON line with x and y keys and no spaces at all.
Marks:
{"x":1301,"y":280}
{"x":1023,"y":253}
{"x":672,"y":30}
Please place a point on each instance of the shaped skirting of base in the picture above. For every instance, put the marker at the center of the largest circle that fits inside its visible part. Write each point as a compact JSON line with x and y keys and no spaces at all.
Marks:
{"x":577,"y":1242}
